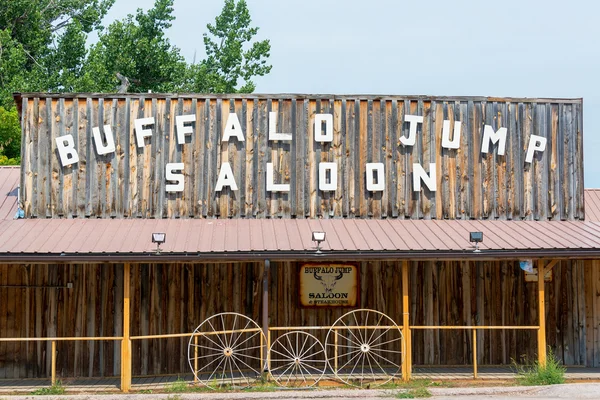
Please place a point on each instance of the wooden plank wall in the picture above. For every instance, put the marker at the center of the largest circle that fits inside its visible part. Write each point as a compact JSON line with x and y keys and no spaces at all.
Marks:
{"x":176,"y":298}
{"x":131,"y":181}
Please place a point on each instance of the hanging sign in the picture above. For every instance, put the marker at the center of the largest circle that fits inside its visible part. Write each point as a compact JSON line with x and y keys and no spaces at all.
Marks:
{"x":329,"y":285}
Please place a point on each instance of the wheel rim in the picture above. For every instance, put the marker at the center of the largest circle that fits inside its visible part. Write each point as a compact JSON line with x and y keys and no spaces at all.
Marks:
{"x":226,"y":350}
{"x":364,"y":348}
{"x":297,"y":359}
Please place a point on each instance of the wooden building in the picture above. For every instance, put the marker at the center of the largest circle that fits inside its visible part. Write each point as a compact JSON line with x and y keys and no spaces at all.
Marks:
{"x":239,"y":182}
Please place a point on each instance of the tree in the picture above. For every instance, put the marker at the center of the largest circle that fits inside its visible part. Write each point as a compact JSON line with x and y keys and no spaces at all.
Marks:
{"x":232,"y":59}
{"x":136,"y":48}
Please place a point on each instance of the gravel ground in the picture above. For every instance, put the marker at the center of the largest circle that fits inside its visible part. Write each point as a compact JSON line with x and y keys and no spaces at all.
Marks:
{"x":571,"y":391}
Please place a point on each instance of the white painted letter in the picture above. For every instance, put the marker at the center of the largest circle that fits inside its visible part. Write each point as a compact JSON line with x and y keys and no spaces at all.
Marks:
{"x":171,"y":177}
{"x":273,"y":135}
{"x":455,"y":142}
{"x":375,"y":184}
{"x":182,"y":128}
{"x":273,"y":187}
{"x":328,"y":136}
{"x":412,"y":132}
{"x":226,"y":178}
{"x":110,"y":140}
{"x":490,"y":136}
{"x":332,"y":168}
{"x":420,"y":174}
{"x":233,"y":128}
{"x":140,"y":132}
{"x":66,"y":150}
{"x":536,"y":143}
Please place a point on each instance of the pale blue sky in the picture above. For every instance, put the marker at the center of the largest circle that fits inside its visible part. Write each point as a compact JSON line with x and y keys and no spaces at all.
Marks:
{"x":511,"y":48}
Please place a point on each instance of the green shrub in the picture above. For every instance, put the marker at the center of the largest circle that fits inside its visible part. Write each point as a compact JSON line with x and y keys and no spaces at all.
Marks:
{"x":57,"y":388}
{"x":551,"y":374}
{"x":178,"y":386}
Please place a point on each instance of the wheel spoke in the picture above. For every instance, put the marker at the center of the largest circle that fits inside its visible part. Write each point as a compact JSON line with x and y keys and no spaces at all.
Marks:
{"x":382,"y":357}
{"x":389,"y":341}
{"x":217,"y":335}
{"x":377,"y":324}
{"x":307,"y":350}
{"x":257,"y":333}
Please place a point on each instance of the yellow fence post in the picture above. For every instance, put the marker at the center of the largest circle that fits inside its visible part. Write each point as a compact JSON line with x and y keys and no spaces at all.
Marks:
{"x":53,"y":361}
{"x":542,"y":315}
{"x":407,"y":364}
{"x":475,"y":353}
{"x":126,"y":342}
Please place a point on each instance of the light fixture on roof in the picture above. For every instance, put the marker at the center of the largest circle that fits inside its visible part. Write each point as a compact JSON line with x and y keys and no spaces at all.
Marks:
{"x":476,"y":237}
{"x":159,"y":238}
{"x":318,"y":237}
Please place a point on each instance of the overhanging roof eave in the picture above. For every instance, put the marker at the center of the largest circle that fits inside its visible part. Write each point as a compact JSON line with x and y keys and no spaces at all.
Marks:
{"x":151,"y":257}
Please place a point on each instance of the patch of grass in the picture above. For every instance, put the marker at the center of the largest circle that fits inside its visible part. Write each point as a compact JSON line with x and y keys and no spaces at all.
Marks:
{"x":174,"y":397}
{"x":179,"y":386}
{"x":55,"y":389}
{"x":145,"y":391}
{"x":416,"y":393}
{"x":535,"y":374}
{"x":415,"y":384}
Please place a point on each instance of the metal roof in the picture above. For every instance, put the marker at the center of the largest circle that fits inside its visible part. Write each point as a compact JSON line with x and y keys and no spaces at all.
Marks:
{"x":190,"y":240}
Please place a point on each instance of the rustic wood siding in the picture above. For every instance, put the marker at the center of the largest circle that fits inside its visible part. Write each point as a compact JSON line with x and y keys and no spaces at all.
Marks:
{"x":175,"y":298}
{"x":131,"y":181}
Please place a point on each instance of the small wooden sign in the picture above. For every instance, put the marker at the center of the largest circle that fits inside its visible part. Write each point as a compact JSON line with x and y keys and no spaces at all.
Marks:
{"x":329,"y":285}
{"x":533,"y":276}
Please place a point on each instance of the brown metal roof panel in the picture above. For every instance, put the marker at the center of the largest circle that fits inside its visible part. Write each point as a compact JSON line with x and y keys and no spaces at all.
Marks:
{"x":182,"y":229}
{"x":587,"y":236}
{"x":10,"y":178}
{"x":281,"y":235}
{"x":397,"y":242}
{"x":205,"y":242}
{"x":537,"y":231}
{"x":71,"y":238}
{"x":381,"y":233}
{"x":553,"y":231}
{"x":294,"y":237}
{"x":119,"y":241}
{"x":592,"y":204}
{"x":55,"y":232}
{"x":366,"y":230}
{"x":243,"y":235}
{"x":7,"y":231}
{"x":306,"y":227}
{"x":342,"y":235}
{"x":333,"y":239}
{"x":141,"y":235}
{"x":441,"y":239}
{"x":256,"y":235}
{"x":268,"y":234}
{"x":218,"y":235}
{"x":400,"y":227}
{"x":459,"y":233}
{"x":494,"y":236}
{"x":415,"y":230}
{"x":23,"y":232}
{"x":358,"y":240}
{"x":37,"y":235}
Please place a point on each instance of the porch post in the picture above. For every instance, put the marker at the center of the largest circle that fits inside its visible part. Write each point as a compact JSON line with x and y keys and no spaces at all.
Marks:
{"x":265,"y":312}
{"x":126,"y":342}
{"x":407,"y":364}
{"x":542,"y":315}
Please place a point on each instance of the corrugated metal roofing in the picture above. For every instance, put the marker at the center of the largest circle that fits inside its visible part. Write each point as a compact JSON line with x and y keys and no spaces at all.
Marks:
{"x":214,"y":238}
{"x":592,"y":205}
{"x":220,"y":239}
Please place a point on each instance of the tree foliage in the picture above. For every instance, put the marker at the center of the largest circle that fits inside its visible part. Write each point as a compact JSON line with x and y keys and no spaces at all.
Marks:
{"x":43,"y":49}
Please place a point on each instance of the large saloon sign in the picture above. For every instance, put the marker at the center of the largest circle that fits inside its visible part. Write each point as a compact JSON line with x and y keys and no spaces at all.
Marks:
{"x":301,"y":156}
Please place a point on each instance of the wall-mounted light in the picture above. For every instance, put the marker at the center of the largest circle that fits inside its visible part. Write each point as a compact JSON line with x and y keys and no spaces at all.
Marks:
{"x":159,"y":238}
{"x":476,"y":237}
{"x":318,"y":237}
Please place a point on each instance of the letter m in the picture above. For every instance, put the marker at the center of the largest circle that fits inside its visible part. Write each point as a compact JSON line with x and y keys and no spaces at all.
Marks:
{"x":490,"y":136}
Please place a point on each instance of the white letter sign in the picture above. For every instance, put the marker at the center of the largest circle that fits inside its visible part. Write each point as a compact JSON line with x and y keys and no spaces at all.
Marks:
{"x":328,"y":136}
{"x":66,"y":150}
{"x":375,"y":184}
{"x":171,"y":177}
{"x":233,"y":128}
{"x":140,"y":132}
{"x":110,"y":140}
{"x":536,"y":143}
{"x":273,"y":135}
{"x":272,"y":186}
{"x":332,"y":168}
{"x":490,"y":136}
{"x":412,"y":132}
{"x":182,"y":128}
{"x":420,"y":174}
{"x":455,"y":142}
{"x":226,"y":178}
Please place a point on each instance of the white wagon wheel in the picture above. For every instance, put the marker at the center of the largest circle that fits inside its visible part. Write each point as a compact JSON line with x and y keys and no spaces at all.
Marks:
{"x":297,"y":359}
{"x":364,"y":348}
{"x":226,"y":350}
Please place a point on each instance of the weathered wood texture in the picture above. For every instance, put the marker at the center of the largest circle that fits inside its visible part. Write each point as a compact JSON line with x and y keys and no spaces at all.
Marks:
{"x":131,"y":181}
{"x":176,"y":298}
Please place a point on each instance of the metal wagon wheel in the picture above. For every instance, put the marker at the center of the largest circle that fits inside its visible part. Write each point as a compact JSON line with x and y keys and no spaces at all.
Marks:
{"x":226,"y":350}
{"x":297,"y":359}
{"x":364,"y":348}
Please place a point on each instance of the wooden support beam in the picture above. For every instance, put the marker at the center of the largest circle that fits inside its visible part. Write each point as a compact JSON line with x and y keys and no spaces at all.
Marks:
{"x":542,"y":315}
{"x":407,"y":364}
{"x":126,"y":342}
{"x":550,"y":265}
